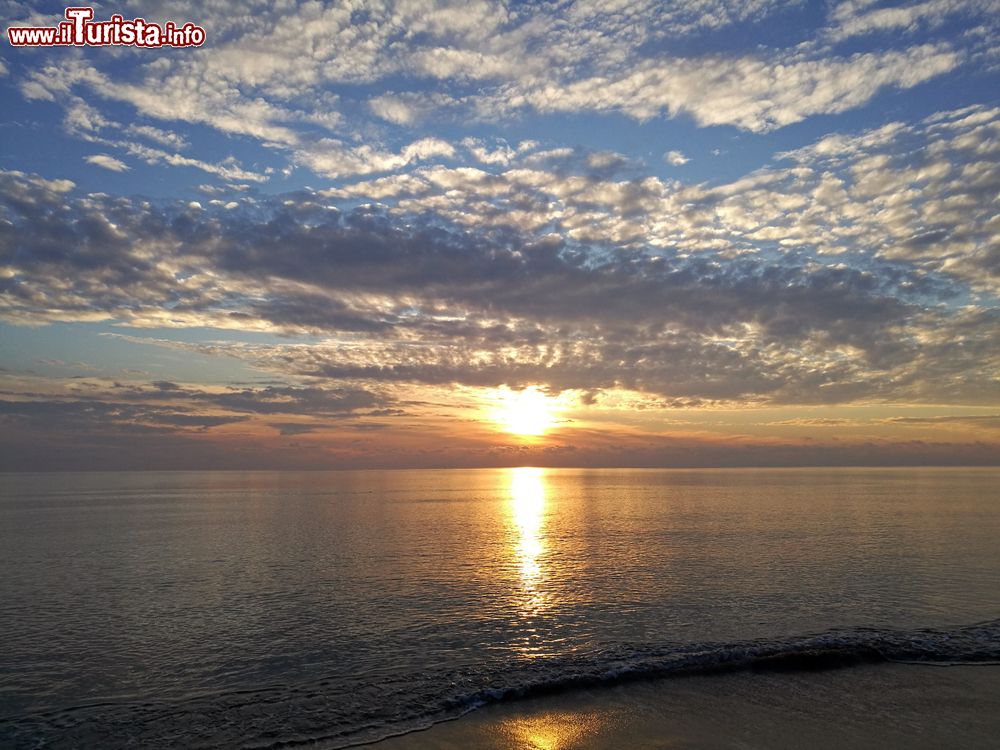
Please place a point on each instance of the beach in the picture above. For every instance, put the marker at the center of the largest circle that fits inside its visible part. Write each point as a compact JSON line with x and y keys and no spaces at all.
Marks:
{"x":870,"y":706}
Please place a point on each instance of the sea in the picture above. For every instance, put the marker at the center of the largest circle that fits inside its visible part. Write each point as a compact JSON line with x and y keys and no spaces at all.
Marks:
{"x":330,"y":609}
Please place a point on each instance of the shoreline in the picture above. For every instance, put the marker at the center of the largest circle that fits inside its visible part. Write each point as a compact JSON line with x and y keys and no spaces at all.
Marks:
{"x":888,"y":705}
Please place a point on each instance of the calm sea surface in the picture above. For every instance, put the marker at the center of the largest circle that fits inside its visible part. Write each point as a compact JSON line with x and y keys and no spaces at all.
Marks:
{"x":271,"y":609}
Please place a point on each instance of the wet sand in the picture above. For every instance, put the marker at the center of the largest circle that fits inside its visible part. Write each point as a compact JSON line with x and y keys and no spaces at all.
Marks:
{"x":879,"y":706}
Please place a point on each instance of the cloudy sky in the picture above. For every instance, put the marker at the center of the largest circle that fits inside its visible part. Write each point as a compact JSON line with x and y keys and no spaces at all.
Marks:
{"x":577,"y":232}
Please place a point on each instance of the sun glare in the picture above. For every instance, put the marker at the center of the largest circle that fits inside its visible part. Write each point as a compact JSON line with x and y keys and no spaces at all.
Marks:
{"x":528,"y":413}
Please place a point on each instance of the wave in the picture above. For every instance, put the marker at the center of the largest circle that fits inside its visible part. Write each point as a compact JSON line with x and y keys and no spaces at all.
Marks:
{"x":339,"y":711}
{"x":977,"y":644}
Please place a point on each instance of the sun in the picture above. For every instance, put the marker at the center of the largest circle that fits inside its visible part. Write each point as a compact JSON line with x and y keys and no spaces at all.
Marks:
{"x":528,"y":413}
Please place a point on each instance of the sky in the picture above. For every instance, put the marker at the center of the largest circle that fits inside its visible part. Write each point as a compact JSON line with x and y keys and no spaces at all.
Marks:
{"x":456,"y":234}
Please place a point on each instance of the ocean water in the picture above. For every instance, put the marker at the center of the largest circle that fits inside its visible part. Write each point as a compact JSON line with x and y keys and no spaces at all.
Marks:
{"x":276,"y":609}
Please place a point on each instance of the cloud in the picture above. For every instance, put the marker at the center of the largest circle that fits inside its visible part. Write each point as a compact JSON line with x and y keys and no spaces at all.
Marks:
{"x":754,"y":93}
{"x":501,"y":152}
{"x":675,"y":158}
{"x":88,"y":123}
{"x":77,"y":433}
{"x":228,"y":169}
{"x":980,"y":421}
{"x":96,"y":407}
{"x":293,"y":428}
{"x":860,"y":268}
{"x":107,"y":162}
{"x":187,"y":94}
{"x":163,"y":137}
{"x":399,"y":110}
{"x":815,"y":422}
{"x":333,"y":158}
{"x":320,"y":402}
{"x":90,"y":415}
{"x":328,"y":109}
{"x":855,"y":19}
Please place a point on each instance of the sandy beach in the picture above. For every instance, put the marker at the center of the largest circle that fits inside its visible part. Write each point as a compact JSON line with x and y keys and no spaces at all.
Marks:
{"x":882,"y":706}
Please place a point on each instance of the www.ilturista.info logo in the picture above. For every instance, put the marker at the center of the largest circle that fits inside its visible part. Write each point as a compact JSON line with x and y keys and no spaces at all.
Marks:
{"x":78,"y":30}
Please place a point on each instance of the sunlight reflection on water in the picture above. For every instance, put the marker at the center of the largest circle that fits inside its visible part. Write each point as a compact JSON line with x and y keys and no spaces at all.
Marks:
{"x":554,"y":730}
{"x":528,"y":519}
{"x":365,"y":602}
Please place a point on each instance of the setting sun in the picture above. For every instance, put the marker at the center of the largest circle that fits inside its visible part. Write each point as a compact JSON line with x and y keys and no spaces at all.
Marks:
{"x":528,"y":413}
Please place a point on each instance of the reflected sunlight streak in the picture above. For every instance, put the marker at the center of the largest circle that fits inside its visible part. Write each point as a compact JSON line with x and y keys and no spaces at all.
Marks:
{"x":527,"y":493}
{"x":555,"y":730}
